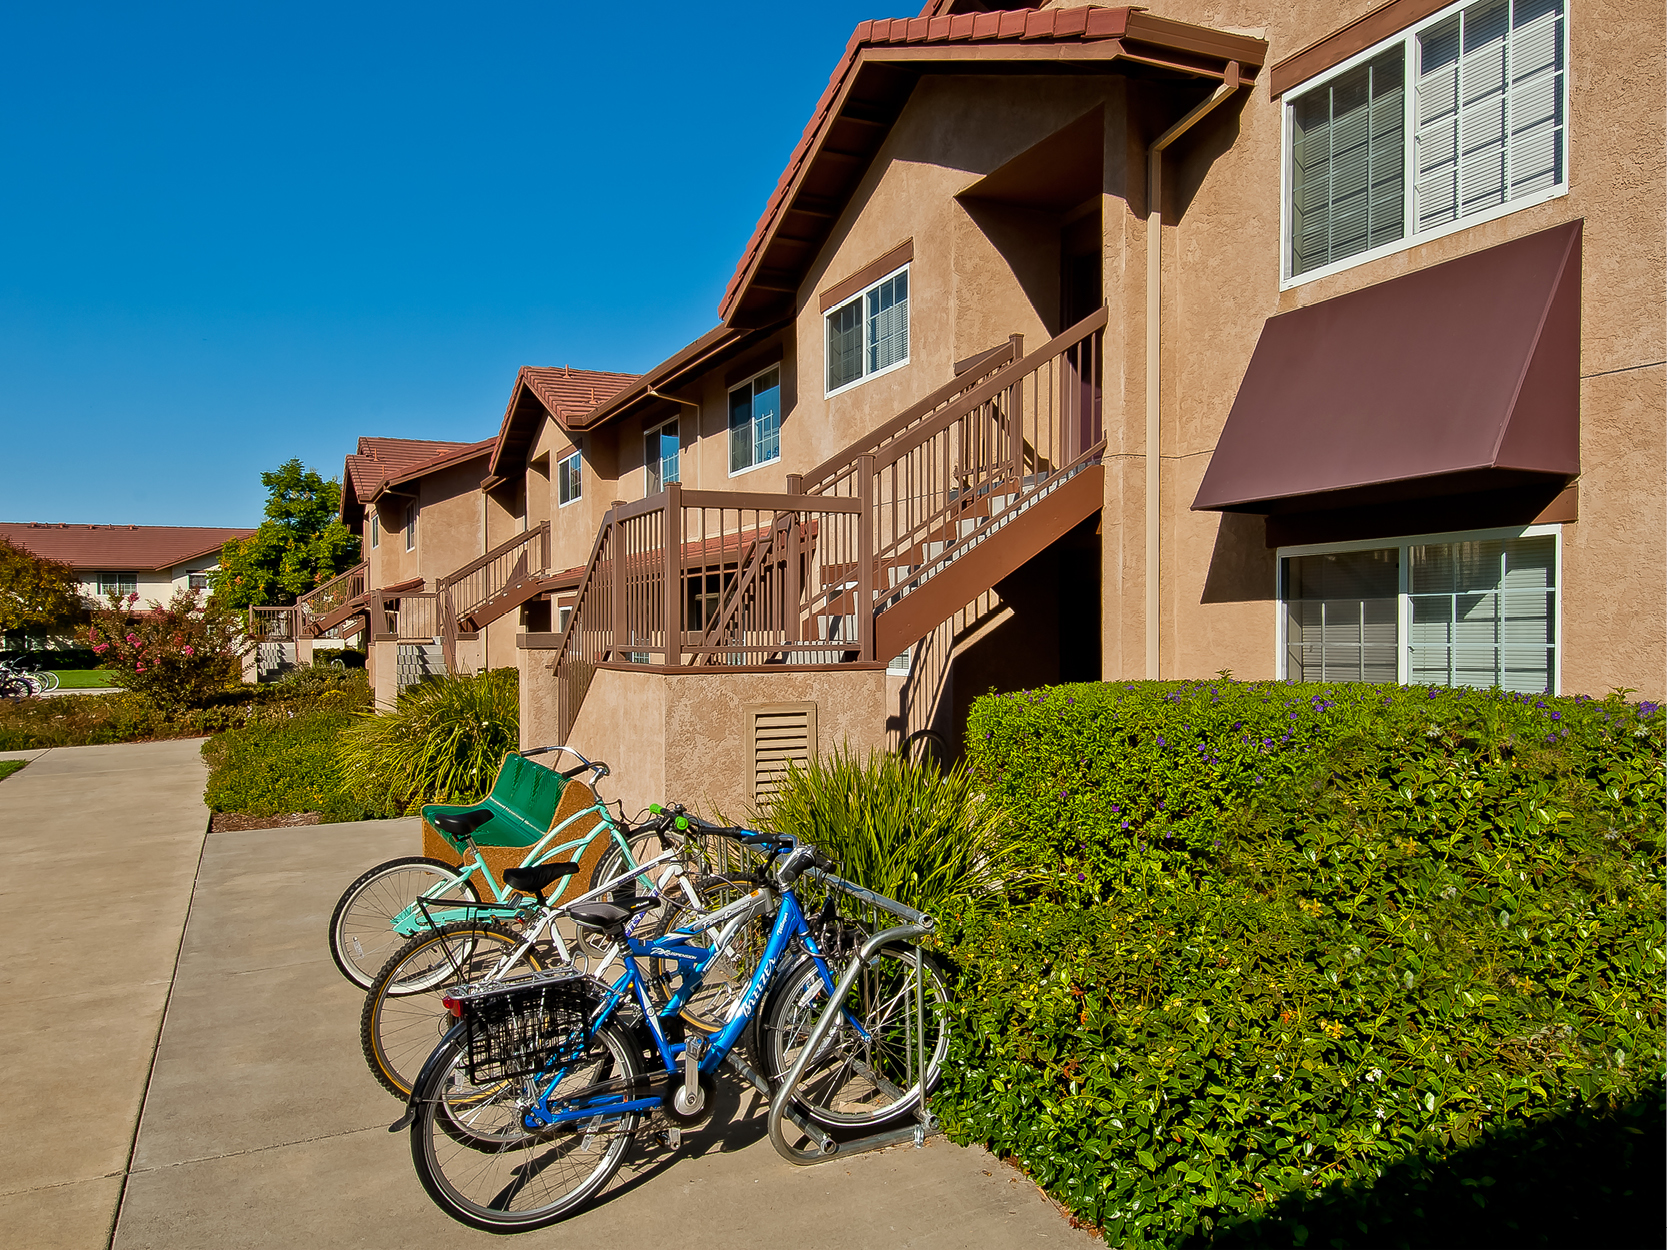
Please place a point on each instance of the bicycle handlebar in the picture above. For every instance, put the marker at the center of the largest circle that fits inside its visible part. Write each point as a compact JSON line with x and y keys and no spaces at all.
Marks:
{"x":597,"y":767}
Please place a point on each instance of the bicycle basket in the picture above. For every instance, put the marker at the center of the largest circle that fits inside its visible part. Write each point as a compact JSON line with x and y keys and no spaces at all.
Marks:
{"x":517,"y":1028}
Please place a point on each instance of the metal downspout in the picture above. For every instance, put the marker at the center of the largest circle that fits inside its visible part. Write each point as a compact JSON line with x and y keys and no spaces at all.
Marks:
{"x":1230,"y":83}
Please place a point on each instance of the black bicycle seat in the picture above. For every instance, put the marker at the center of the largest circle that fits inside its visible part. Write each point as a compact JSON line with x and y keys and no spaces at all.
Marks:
{"x":532,"y":880}
{"x":462,"y":824}
{"x":608,"y":917}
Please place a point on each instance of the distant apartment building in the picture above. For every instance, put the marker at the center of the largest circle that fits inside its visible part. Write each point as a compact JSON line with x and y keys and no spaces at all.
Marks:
{"x":151,"y":561}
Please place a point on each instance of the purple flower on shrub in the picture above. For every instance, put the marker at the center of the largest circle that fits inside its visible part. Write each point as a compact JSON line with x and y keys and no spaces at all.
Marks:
{"x":1125,"y":824}
{"x":1161,"y":742}
{"x":1116,"y":807}
{"x":1238,"y":724}
{"x":1556,"y":716}
{"x":1080,"y":877}
{"x":1648,"y":709}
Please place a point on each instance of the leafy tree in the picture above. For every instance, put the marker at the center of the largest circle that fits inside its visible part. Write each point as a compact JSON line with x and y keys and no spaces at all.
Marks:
{"x":301,"y":543}
{"x":37,"y":596}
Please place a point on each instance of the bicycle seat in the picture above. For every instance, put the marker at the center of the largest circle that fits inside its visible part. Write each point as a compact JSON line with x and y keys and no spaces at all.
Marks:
{"x":533,"y":880}
{"x":608,"y":917}
{"x":462,"y":824}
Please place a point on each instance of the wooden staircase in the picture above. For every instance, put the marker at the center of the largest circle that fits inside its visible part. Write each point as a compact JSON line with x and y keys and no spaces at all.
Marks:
{"x":867,"y":553}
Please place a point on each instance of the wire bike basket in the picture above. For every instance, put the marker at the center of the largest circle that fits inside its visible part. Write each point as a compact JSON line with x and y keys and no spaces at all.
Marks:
{"x":515,"y":1028}
{"x":915,"y":924}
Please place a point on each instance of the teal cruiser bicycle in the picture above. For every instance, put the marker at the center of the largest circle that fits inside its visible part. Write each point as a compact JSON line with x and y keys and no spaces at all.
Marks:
{"x":379,"y":911}
{"x":524,"y":1111}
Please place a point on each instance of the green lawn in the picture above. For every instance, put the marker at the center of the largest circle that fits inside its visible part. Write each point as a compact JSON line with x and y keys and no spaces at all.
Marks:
{"x":8,"y":767}
{"x":83,"y":678}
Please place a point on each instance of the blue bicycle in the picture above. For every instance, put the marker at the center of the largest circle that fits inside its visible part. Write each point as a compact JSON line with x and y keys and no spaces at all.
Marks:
{"x":525,"y":1110}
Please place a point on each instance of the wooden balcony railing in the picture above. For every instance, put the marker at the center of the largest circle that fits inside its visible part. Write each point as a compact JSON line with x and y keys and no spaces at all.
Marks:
{"x":273,"y":624}
{"x":689,"y":577}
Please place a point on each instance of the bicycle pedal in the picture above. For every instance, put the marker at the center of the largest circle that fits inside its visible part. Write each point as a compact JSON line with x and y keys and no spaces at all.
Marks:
{"x":672,"y":1136}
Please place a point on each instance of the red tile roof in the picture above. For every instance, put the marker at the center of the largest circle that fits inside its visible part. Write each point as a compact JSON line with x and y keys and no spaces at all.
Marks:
{"x":572,"y":392}
{"x":118,"y":547}
{"x":775,"y":261}
{"x":566,"y":394}
{"x":379,"y":459}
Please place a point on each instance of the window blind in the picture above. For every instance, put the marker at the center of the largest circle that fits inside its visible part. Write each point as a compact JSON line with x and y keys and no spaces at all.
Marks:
{"x":1341,"y":616}
{"x":845,"y":345}
{"x":1483,"y":613}
{"x":888,"y":322}
{"x":1490,"y":125}
{"x":1348,"y":177}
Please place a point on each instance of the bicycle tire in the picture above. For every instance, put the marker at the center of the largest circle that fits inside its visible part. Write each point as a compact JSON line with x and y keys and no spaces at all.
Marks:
{"x":362,"y":936}
{"x":48,"y":679}
{"x":404,"y":1018}
{"x":480,"y":1165}
{"x":726,"y":978}
{"x":849,"y":1084}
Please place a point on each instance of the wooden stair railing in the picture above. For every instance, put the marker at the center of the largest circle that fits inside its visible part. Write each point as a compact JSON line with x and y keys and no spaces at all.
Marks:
{"x":334,"y":602}
{"x":869,"y":551}
{"x":491,"y":586}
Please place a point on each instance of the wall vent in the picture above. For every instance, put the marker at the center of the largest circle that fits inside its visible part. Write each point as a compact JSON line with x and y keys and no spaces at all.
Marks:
{"x":778,"y":734}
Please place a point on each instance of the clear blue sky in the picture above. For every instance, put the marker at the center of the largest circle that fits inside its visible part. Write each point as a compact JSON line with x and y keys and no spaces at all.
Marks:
{"x":236,"y":233}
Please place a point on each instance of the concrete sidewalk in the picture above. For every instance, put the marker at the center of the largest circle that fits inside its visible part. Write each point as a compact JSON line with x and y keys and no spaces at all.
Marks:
{"x":260,"y":1125}
{"x":101,"y":846}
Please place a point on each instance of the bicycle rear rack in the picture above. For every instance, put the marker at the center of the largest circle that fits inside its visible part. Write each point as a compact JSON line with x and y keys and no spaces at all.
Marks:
{"x":822,"y":1145}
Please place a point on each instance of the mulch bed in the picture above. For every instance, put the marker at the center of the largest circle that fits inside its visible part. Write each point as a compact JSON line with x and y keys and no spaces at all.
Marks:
{"x":229,"y":822}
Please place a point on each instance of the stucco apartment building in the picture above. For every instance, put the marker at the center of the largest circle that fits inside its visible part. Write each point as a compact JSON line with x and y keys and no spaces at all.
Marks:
{"x":1316,"y":340}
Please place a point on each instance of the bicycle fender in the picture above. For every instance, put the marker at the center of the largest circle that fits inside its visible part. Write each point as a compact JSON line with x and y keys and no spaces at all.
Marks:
{"x":404,"y":1122}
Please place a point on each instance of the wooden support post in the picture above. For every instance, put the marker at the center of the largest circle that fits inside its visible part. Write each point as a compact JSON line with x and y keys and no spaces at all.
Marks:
{"x":616,"y":555}
{"x":792,"y":609}
{"x":865,"y":558}
{"x":544,"y":546}
{"x":673,"y":573}
{"x":1016,"y":413}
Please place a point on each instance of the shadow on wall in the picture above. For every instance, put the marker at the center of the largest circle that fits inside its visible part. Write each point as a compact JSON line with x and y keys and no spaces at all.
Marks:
{"x":1586,"y":1178}
{"x":1241,"y":566}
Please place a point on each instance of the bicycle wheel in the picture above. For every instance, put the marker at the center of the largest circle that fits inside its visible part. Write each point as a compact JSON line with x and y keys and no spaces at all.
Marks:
{"x":362,"y":936}
{"x":725,"y":979}
{"x":855,"y":1080}
{"x":404,"y":1016}
{"x":48,"y":679}
{"x":483,"y":1167}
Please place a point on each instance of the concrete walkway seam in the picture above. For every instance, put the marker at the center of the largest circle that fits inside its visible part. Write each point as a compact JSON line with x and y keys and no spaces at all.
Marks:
{"x":156,"y":1046}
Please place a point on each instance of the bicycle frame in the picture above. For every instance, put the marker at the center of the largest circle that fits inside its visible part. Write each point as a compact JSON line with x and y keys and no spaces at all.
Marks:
{"x":411,"y":920}
{"x":789,"y":925}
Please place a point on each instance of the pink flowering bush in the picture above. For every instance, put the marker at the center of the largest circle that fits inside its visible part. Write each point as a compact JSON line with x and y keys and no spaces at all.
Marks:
{"x":178,"y":655}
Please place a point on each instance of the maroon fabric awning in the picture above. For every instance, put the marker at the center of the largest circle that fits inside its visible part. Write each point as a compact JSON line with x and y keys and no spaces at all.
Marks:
{"x":1461,"y":377}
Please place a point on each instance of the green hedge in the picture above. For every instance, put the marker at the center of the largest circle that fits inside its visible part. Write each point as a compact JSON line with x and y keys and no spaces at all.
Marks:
{"x":286,"y":757}
{"x":1282,"y":942}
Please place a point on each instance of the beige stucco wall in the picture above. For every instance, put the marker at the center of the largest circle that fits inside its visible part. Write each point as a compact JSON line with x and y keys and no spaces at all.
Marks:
{"x":681,"y":738}
{"x":1220,"y":282}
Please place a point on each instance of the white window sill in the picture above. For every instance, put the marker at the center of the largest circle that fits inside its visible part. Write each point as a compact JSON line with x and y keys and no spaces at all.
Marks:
{"x":762,"y":464}
{"x":869,"y":377}
{"x":1440,"y":232}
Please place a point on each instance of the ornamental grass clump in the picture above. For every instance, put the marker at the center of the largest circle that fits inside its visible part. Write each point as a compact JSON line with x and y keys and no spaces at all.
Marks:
{"x":903,"y":828}
{"x":442,"y":743}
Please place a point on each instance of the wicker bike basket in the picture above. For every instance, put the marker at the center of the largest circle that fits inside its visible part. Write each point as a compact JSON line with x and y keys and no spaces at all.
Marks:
{"x":519,"y":1028}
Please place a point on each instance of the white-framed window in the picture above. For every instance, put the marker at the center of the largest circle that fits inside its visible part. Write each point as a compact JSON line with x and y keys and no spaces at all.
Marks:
{"x":411,"y":527}
{"x":1456,"y":120}
{"x":1473,"y":609}
{"x":375,"y":529}
{"x":755,"y":421}
{"x":569,"y":476}
{"x":197,"y":581}
{"x":564,"y":614}
{"x":868,"y":334}
{"x":117,"y":583}
{"x":660,"y":452}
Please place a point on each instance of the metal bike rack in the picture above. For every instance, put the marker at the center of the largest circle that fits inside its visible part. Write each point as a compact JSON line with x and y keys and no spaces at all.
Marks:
{"x":822,"y":1146}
